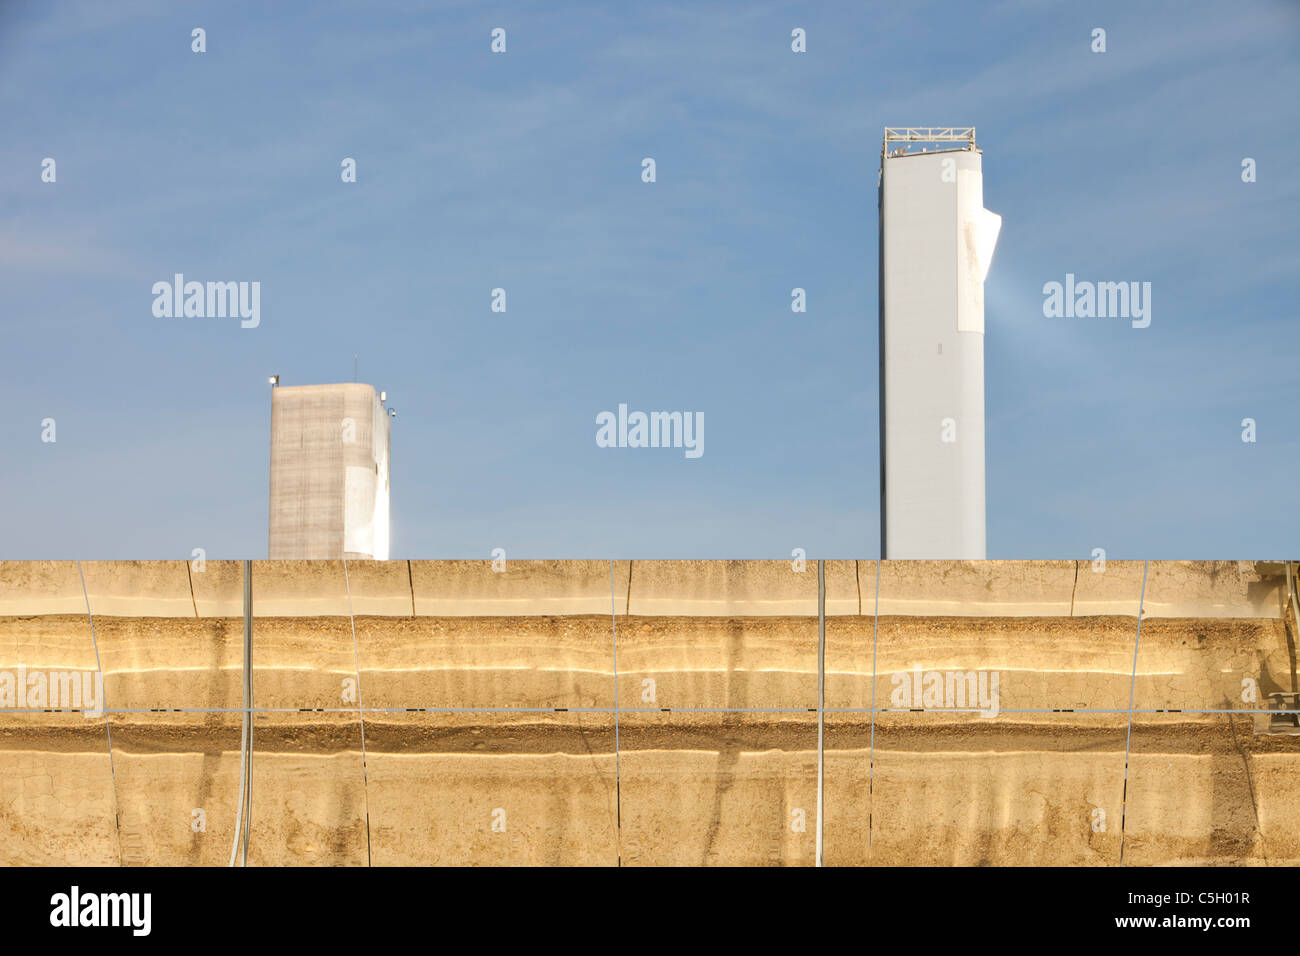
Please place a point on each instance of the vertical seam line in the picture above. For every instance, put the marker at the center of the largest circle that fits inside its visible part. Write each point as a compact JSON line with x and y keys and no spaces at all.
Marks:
{"x":821,"y":704}
{"x":361,"y":717}
{"x":189,"y":574}
{"x":1075,"y":589}
{"x":871,"y":759}
{"x":410,"y":580}
{"x":857,"y":577}
{"x":1128,"y":741}
{"x":108,"y":730}
{"x":627,"y":604}
{"x":618,"y":780}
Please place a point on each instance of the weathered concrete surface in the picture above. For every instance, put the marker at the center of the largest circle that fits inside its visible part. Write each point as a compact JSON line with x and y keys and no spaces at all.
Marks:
{"x":441,"y":662}
{"x":304,"y":663}
{"x":735,"y":634}
{"x":1066,"y":663}
{"x":1053,"y":663}
{"x":218,"y":588}
{"x":177,"y":780}
{"x":1203,"y":789}
{"x":40,"y":587}
{"x":709,"y":789}
{"x":976,"y":588}
{"x":693,"y":662}
{"x":56,"y":792}
{"x":741,"y":588}
{"x":1211,"y":663}
{"x":495,"y":789}
{"x":151,"y":663}
{"x":54,"y":642}
{"x":139,"y":589}
{"x":523,"y":588}
{"x":380,"y":588}
{"x":299,"y":589}
{"x":1110,"y":588}
{"x":965,"y":790}
{"x":1235,"y":589}
{"x":308,"y":798}
{"x":1023,"y":790}
{"x":692,"y":785}
{"x":695,"y":789}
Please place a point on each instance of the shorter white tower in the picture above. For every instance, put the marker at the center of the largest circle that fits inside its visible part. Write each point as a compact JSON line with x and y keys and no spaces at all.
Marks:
{"x":936,"y":244}
{"x":329,"y":472}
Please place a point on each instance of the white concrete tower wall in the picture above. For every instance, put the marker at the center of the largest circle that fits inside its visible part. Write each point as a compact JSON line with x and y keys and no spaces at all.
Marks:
{"x":329,"y":472}
{"x":936,"y":244}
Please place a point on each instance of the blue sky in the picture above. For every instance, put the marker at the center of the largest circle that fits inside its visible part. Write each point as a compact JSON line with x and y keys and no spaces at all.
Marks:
{"x":523,"y":171}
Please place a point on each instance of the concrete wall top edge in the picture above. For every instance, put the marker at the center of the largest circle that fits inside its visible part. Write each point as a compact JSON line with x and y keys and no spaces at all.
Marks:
{"x":509,"y":587}
{"x":40,"y":587}
{"x":1214,"y":589}
{"x":741,"y":588}
{"x":323,"y":388}
{"x":1193,"y":589}
{"x":138,"y":588}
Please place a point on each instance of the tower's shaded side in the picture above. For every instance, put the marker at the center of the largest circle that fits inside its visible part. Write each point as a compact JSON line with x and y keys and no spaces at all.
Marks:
{"x":329,"y":472}
{"x":936,"y":244}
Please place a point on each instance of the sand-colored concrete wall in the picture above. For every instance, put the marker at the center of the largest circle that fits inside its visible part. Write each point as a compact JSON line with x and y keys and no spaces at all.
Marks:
{"x":651,"y":713}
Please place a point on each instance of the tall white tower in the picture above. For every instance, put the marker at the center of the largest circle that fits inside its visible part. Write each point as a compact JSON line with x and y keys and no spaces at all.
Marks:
{"x":936,"y":244}
{"x":329,"y":472}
